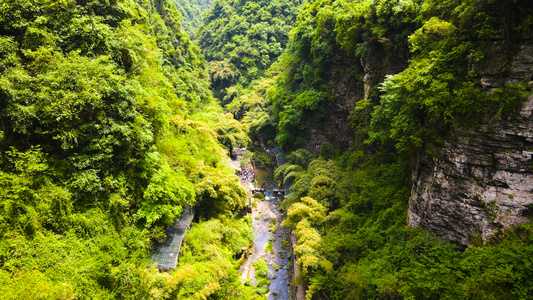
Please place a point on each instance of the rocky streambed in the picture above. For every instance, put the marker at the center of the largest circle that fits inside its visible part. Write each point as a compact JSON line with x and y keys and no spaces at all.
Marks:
{"x":271,"y":246}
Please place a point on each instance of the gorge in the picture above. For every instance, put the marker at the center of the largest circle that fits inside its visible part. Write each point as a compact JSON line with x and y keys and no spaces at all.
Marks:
{"x":406,"y":124}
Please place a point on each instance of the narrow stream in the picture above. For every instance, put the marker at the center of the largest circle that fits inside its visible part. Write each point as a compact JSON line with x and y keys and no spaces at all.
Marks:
{"x":263,"y":212}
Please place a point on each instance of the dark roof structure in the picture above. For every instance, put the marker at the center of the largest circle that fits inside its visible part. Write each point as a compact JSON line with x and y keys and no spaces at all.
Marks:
{"x":165,"y":255}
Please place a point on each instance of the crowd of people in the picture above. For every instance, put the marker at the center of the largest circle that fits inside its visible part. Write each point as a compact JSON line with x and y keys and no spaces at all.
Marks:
{"x":247,"y":175}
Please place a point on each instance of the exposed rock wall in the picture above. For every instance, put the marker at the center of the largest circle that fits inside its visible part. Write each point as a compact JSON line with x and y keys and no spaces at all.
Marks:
{"x":477,"y":184}
{"x":350,"y":80}
{"x":334,"y":127}
{"x":481,"y":181}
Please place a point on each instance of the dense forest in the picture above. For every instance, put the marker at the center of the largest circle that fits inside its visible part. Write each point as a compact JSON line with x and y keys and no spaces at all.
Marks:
{"x":241,"y":39}
{"x":108,"y":129}
{"x":112,"y":120}
{"x":416,"y":69}
{"x":191,"y":12}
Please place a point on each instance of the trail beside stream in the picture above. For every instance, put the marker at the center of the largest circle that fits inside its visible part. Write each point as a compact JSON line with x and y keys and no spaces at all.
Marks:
{"x":263,"y":212}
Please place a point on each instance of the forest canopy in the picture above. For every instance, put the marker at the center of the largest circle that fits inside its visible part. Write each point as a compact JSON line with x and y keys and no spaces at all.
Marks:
{"x":108,"y":129}
{"x":112,"y":120}
{"x":192,"y":13}
{"x":241,"y":39}
{"x":415,"y":68}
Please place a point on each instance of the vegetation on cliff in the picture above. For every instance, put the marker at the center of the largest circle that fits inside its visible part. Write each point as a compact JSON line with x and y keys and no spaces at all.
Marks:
{"x":349,"y":206}
{"x":108,"y":128}
{"x":192,"y":12}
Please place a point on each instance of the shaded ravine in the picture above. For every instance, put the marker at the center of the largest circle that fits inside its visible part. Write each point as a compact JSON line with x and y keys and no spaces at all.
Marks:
{"x":262,"y":213}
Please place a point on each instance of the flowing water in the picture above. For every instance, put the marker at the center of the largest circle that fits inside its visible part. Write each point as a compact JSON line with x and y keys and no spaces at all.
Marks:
{"x":263,"y":213}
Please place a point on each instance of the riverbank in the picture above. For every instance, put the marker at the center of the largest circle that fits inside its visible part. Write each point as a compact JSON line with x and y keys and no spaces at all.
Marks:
{"x":271,"y":242}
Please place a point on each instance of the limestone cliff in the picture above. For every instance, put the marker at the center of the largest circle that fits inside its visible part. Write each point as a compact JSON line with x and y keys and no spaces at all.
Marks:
{"x":481,"y":181}
{"x":350,"y":80}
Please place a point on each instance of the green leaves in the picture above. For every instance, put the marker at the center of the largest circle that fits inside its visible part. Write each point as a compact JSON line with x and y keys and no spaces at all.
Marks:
{"x":307,"y":208}
{"x":331,"y":38}
{"x":308,"y":248}
{"x":167,"y":192}
{"x":291,"y":124}
{"x":431,"y":34}
{"x":351,"y":211}
{"x":192,"y":12}
{"x":242,"y":40}
{"x":34,"y":285}
{"x":311,"y":100}
{"x":219,"y":193}
{"x":438,"y":91}
{"x":108,"y":129}
{"x":206,"y":268}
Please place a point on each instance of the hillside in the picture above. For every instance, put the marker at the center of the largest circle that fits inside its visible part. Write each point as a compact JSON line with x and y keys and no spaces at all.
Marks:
{"x":191,"y":12}
{"x":408,"y":125}
{"x":108,"y":130}
{"x":241,"y":39}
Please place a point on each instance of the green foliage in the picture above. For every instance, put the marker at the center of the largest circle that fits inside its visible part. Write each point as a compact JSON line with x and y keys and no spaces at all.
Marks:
{"x":440,"y":89}
{"x":253,"y":107}
{"x":245,"y":160}
{"x":262,"y":159}
{"x":332,"y":40}
{"x":362,"y":249}
{"x":307,"y":209}
{"x":268,"y":248}
{"x":166,"y":193}
{"x":206,"y":267}
{"x":273,"y":227}
{"x":308,"y":250}
{"x":300,"y":157}
{"x":108,"y":129}
{"x":261,"y":275}
{"x":348,"y":209}
{"x":322,"y":181}
{"x":33,"y":285}
{"x":219,"y":193}
{"x":192,"y":12}
{"x":241,"y":39}
{"x":291,"y":125}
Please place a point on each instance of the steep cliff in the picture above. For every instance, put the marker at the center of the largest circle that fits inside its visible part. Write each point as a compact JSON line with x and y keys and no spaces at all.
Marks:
{"x":337,"y":56}
{"x":350,"y":81}
{"x":334,"y":127}
{"x":481,"y":181}
{"x":443,"y":143}
{"x":449,"y":75}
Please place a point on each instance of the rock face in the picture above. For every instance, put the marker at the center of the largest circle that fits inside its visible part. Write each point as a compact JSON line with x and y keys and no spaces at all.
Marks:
{"x":478,"y":184}
{"x":334,"y":127}
{"x":351,"y":81}
{"x":481,"y":181}
{"x":495,"y":75}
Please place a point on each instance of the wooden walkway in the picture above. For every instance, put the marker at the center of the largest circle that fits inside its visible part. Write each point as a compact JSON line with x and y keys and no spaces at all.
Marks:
{"x":258,"y":190}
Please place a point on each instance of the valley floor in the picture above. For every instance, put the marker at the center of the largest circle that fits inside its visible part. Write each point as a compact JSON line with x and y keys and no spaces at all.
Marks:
{"x":271,"y":241}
